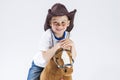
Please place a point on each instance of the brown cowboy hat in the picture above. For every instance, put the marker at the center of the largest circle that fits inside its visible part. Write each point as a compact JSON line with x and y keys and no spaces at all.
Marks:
{"x":59,"y":9}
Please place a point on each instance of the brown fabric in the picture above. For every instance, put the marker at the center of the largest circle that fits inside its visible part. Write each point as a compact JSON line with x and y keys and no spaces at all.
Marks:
{"x":59,"y":9}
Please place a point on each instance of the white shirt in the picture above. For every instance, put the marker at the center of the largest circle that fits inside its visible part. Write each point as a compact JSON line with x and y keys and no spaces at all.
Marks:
{"x":46,"y":42}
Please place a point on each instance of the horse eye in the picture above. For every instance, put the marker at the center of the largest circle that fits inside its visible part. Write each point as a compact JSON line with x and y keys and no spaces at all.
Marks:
{"x":57,"y":58}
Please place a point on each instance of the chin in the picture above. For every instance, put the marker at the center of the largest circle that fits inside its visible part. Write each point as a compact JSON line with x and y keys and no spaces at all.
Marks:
{"x":59,"y":32}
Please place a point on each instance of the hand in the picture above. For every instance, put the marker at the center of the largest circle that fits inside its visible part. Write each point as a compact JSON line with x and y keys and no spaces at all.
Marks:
{"x":66,"y":44}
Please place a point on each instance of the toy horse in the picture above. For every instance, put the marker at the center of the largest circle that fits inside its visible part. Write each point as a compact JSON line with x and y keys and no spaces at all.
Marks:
{"x":60,"y":67}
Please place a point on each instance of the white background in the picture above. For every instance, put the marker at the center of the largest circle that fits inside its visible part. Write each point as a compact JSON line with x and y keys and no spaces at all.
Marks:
{"x":96,"y":31}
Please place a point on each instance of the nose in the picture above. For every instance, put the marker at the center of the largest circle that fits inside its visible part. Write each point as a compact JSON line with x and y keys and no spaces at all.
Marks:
{"x":58,"y":24}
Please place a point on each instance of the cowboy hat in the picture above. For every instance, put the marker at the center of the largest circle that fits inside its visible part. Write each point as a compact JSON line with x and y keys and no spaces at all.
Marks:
{"x":59,"y":9}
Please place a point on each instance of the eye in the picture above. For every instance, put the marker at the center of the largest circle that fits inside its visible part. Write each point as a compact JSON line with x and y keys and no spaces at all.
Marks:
{"x":56,"y":24}
{"x":63,"y":23}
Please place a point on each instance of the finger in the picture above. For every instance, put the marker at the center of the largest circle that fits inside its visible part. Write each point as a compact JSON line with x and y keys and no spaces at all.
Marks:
{"x":64,"y":41}
{"x":66,"y":45}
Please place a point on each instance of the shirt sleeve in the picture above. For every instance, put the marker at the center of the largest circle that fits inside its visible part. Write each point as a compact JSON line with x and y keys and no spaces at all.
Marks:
{"x":44,"y":45}
{"x":45,"y":39}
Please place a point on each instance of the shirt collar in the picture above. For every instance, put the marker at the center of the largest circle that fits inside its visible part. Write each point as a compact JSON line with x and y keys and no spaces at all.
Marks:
{"x":63,"y":37}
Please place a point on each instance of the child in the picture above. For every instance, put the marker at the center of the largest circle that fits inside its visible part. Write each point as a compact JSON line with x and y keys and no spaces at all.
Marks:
{"x":59,"y":23}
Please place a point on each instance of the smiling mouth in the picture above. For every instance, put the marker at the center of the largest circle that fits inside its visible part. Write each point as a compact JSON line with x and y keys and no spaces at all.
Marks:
{"x":59,"y":29}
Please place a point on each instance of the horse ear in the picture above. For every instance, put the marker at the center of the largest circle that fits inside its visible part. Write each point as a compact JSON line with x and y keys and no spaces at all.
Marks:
{"x":59,"y":50}
{"x":68,"y":50}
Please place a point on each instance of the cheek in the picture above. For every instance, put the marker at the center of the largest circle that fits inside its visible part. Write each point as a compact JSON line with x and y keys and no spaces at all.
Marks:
{"x":52,"y":26}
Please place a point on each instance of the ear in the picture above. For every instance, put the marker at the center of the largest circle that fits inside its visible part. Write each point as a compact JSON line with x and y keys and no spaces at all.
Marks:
{"x":68,"y":23}
{"x":50,"y":23}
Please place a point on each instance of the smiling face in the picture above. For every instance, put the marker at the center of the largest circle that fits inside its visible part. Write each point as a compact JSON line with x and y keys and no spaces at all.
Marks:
{"x":59,"y":24}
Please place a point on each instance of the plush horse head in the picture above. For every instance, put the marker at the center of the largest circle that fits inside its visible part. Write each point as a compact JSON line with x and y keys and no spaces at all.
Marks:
{"x":63,"y":60}
{"x":59,"y":67}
